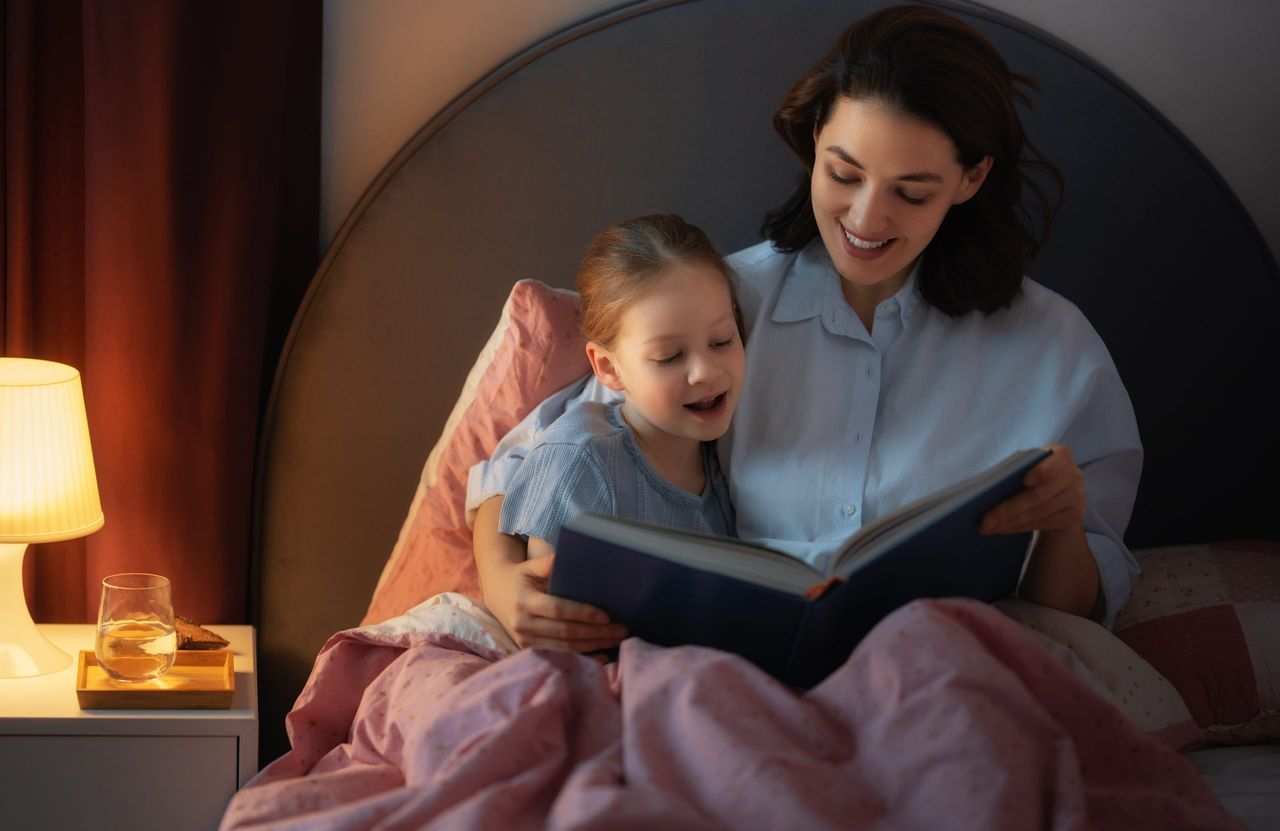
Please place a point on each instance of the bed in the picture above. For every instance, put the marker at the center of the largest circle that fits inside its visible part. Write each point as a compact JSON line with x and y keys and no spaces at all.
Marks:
{"x":631,"y":112}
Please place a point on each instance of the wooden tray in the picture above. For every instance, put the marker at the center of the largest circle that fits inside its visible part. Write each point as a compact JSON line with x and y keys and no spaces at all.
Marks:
{"x":200,"y":679}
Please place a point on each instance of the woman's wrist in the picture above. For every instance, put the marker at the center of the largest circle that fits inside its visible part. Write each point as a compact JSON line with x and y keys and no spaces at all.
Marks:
{"x":1062,"y":573}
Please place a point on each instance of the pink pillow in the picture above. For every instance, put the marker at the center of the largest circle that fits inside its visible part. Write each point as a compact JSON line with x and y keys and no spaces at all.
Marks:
{"x":1207,"y":617}
{"x":535,"y":350}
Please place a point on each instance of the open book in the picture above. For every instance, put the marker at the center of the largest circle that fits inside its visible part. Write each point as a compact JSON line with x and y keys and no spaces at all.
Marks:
{"x":676,"y":587}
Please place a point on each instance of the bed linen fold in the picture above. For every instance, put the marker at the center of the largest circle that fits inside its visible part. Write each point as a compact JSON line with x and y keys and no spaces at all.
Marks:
{"x":948,"y":715}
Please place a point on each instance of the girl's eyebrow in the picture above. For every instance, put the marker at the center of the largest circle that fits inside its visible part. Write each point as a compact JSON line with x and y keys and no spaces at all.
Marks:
{"x":909,"y":177}
{"x":716,"y":322}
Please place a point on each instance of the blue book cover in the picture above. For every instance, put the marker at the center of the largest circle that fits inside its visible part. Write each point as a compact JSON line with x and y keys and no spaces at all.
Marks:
{"x":674,"y":587}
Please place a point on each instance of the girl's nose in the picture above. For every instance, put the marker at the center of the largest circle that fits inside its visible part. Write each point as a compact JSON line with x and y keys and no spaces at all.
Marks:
{"x":702,"y":368}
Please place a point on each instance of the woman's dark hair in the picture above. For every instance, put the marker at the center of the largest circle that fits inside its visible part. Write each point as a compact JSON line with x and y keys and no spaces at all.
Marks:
{"x":926,"y":63}
{"x":624,"y":262}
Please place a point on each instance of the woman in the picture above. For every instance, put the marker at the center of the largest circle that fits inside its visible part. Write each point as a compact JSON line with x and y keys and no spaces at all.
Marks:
{"x":896,"y":346}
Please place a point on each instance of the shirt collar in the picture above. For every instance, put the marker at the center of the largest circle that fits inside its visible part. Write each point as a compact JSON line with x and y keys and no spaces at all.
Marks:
{"x":905,"y":300}
{"x":812,"y":289}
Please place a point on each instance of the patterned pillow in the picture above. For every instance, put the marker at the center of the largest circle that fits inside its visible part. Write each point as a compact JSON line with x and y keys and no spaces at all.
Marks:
{"x":1207,"y":617}
{"x":535,"y":350}
{"x":1111,"y":669}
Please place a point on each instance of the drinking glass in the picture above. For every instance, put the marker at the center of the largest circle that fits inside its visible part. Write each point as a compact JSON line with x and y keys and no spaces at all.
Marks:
{"x":136,"y":639}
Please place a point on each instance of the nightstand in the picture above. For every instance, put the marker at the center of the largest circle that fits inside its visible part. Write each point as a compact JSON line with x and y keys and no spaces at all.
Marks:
{"x":66,"y":768}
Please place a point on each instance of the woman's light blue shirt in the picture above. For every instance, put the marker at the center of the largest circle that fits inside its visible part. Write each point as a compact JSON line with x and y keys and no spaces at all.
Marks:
{"x":837,"y":426}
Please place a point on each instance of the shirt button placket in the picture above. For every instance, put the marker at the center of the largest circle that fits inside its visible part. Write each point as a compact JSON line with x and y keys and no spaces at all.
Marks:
{"x":864,"y":414}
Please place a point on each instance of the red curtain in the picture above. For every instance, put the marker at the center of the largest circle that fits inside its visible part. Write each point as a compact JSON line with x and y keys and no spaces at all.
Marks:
{"x":161,"y":208}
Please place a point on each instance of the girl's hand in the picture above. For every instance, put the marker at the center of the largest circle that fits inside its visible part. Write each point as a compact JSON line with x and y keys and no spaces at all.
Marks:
{"x":1053,"y":501}
{"x":515,"y":591}
{"x":518,"y":598}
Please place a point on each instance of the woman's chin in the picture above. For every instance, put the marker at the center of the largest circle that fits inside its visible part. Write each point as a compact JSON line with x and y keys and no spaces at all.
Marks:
{"x":862,"y":276}
{"x":858,"y":277}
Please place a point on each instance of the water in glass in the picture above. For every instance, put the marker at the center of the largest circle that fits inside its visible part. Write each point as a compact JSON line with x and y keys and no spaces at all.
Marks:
{"x":135,"y":650}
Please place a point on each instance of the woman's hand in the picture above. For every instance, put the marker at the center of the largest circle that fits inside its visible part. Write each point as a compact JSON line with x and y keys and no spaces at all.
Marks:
{"x":1062,"y":572}
{"x":515,"y":591}
{"x":1053,"y":499}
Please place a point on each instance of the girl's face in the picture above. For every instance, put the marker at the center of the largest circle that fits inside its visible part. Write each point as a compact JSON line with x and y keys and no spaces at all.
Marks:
{"x":678,"y":357}
{"x":882,"y":183}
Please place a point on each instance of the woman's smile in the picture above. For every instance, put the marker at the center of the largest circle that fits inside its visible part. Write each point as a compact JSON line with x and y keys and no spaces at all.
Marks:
{"x":864,"y":249}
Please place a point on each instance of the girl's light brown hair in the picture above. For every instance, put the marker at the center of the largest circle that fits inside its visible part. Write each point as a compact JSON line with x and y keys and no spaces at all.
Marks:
{"x":625,"y":261}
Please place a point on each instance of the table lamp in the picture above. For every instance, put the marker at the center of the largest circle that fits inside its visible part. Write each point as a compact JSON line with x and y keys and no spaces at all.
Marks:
{"x":48,"y":492}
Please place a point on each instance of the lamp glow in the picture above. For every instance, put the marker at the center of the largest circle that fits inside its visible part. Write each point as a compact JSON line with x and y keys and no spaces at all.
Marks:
{"x":48,"y":492}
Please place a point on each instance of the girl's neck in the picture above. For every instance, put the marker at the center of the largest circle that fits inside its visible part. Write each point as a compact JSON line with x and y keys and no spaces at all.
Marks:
{"x":677,"y":459}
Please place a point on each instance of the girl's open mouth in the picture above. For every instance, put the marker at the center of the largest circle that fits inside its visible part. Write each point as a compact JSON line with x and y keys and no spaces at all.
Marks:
{"x":707,"y":406}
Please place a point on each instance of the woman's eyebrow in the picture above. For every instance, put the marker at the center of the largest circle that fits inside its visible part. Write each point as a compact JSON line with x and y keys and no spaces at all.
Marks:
{"x":910,"y":177}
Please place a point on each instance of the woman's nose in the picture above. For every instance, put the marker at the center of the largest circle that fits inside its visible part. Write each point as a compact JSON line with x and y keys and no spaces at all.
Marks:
{"x":868,"y":212}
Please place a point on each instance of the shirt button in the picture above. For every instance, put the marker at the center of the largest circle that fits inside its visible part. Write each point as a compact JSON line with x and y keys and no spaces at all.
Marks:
{"x":849,"y":510}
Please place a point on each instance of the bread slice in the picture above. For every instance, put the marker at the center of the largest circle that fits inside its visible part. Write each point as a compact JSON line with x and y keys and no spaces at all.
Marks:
{"x":192,"y":635}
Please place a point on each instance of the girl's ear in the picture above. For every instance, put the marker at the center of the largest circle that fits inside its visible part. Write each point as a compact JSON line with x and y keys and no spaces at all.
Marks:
{"x":973,"y":179}
{"x":604,"y":366}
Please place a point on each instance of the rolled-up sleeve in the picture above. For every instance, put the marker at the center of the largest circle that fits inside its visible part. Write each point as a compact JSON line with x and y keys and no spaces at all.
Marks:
{"x":1104,"y":439}
{"x":493,"y":476}
{"x":556,"y":483}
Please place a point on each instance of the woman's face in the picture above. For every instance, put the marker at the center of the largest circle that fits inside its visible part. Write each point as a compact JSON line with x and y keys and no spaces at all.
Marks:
{"x":883,"y":181}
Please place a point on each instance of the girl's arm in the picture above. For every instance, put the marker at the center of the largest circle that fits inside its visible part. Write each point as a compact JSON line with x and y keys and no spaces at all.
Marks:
{"x":515,"y":591}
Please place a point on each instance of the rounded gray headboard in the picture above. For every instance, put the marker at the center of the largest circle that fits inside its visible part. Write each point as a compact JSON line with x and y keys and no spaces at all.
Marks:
{"x":667,"y":106}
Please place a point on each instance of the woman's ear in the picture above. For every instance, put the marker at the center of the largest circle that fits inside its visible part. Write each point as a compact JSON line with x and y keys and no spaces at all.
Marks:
{"x":604,"y":366}
{"x":973,"y":179}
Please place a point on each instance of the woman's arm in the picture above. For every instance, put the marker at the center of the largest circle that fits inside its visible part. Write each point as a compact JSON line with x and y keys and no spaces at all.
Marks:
{"x":1062,"y":572}
{"x":515,"y":591}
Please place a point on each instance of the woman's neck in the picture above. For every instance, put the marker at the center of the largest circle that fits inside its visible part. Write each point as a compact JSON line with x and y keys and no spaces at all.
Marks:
{"x":864,"y":299}
{"x":677,"y":459}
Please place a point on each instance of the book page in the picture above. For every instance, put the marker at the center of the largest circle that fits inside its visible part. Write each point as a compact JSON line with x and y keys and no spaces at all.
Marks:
{"x":729,"y":556}
{"x":868,"y":541}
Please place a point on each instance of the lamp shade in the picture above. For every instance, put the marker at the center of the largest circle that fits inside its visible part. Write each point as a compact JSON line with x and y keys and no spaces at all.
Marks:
{"x":48,"y":488}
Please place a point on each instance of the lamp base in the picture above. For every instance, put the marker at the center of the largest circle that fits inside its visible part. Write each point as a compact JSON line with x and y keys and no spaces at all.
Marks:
{"x":24,"y":652}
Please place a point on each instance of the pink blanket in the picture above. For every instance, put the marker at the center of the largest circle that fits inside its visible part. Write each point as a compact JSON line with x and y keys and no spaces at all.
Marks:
{"x":949,"y":715}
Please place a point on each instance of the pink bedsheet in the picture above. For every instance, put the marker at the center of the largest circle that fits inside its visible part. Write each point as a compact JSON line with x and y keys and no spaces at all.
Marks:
{"x":948,"y":716}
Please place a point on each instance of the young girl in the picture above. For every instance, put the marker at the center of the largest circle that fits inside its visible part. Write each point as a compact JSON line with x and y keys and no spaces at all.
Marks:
{"x":659,"y":313}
